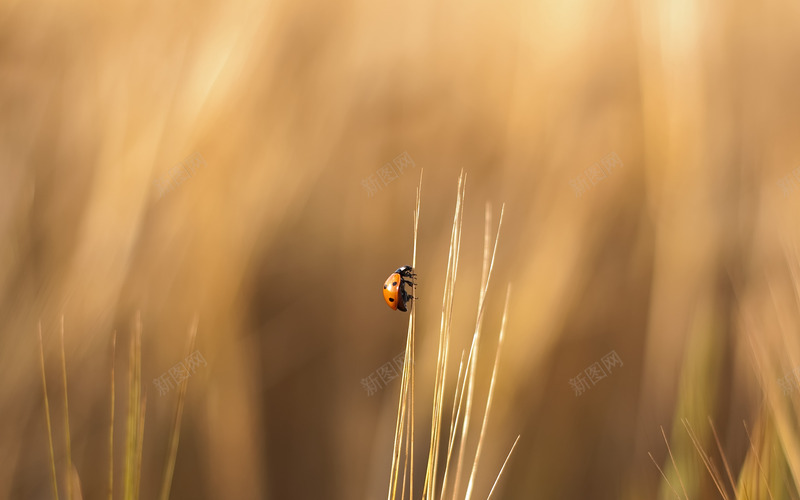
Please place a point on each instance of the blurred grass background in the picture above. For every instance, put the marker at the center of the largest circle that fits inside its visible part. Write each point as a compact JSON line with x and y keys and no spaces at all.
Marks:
{"x":684,"y":260}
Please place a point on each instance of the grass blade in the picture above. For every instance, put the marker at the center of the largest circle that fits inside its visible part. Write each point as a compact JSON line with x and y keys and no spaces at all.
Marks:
{"x":175,"y":430}
{"x":66,"y":415}
{"x":405,"y":408}
{"x":111,"y":425}
{"x":724,"y":459}
{"x":488,"y":265}
{"x":47,"y":416}
{"x":672,"y":458}
{"x":503,"y":467}
{"x":134,"y":417}
{"x":491,"y":394}
{"x":666,"y":480}
{"x":444,"y":342}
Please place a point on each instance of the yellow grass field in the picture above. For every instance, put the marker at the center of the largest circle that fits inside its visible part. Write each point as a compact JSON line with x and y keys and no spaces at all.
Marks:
{"x":207,"y":197}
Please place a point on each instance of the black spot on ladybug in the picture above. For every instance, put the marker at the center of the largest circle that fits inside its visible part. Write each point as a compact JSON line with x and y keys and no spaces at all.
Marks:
{"x":384,"y":286}
{"x":394,"y":283}
{"x":391,"y":299}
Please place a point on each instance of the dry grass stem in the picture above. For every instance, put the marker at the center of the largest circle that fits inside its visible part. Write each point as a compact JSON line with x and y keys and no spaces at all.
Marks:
{"x":662,"y":474}
{"x":502,"y":468}
{"x":472,"y":360}
{"x":724,"y":459}
{"x":465,"y":381}
{"x":444,"y":343}
{"x":706,"y":459}
{"x":674,"y":465}
{"x":111,"y":421}
{"x":135,"y":417}
{"x":47,"y":416}
{"x":67,"y":442}
{"x":758,"y":460}
{"x":404,"y":428}
{"x":175,"y":429}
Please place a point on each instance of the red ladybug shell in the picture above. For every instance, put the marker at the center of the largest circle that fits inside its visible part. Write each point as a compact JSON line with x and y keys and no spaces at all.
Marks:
{"x":391,"y":292}
{"x":394,"y":293}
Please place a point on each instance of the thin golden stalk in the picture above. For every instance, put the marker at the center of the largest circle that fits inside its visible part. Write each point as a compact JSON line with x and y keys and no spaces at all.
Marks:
{"x":503,"y":468}
{"x":139,"y":445}
{"x":128,"y":492}
{"x":662,"y":474}
{"x":469,"y":383}
{"x":175,"y":430}
{"x":405,"y":462}
{"x":487,"y":230}
{"x":712,"y":471}
{"x":472,"y":360}
{"x":47,"y":416}
{"x":758,"y":460}
{"x":134,"y":412}
{"x":782,"y":417}
{"x":455,"y":415}
{"x":405,"y":408}
{"x":398,"y":432}
{"x":401,"y":426}
{"x":724,"y":459}
{"x":490,"y":397}
{"x":111,"y":425}
{"x":444,"y":341}
{"x":672,"y":458}
{"x":408,"y":360}
{"x":66,"y":414}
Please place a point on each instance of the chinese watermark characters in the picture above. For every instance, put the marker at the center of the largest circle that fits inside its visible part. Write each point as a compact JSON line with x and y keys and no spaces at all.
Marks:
{"x":179,"y":372}
{"x":791,"y":381}
{"x":594,"y":174}
{"x":385,"y":374}
{"x":789,"y":182}
{"x":594,"y":373}
{"x":179,"y":174}
{"x":387,"y":173}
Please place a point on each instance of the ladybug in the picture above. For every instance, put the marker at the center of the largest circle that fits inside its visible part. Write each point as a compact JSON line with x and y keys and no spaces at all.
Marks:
{"x":394,"y":292}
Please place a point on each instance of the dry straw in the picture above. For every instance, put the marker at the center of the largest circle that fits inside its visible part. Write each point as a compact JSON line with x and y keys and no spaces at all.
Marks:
{"x":135,"y":418}
{"x":463,"y":400}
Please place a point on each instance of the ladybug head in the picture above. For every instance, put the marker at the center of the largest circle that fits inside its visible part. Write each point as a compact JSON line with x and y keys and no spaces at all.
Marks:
{"x":405,"y":271}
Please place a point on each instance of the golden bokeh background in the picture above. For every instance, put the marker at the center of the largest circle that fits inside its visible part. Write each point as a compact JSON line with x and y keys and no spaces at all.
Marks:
{"x":683,"y":260}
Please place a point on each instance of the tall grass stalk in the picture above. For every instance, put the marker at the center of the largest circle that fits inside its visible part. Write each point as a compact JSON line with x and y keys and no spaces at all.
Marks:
{"x":465,"y":382}
{"x":502,"y":468}
{"x":135,"y":418}
{"x":405,"y":415}
{"x":67,"y":442}
{"x":707,"y":461}
{"x":472,"y":360}
{"x":672,"y":458}
{"x":47,"y":417}
{"x":444,"y":342}
{"x":724,"y":459}
{"x":482,"y":435}
{"x":175,"y":429}
{"x":111,"y":420}
{"x":755,"y":455}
